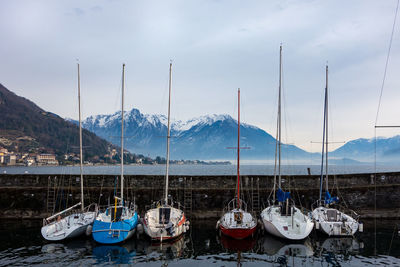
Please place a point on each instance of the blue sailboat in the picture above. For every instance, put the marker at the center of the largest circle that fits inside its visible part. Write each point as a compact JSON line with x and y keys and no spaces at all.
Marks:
{"x":118,"y":222}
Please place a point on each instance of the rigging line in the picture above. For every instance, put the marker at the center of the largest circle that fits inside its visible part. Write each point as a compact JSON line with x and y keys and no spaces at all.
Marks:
{"x":284,"y":107}
{"x":387,"y":61}
{"x":391,"y":241}
{"x":375,"y":193}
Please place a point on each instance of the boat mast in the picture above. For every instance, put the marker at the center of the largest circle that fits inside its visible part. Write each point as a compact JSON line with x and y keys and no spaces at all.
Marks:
{"x":168,"y":134}
{"x":276,"y":157}
{"x":326,"y":142}
{"x":238,"y":154}
{"x":323,"y":138}
{"x":122,"y":135}
{"x":80,"y":137}
{"x":279,"y":115}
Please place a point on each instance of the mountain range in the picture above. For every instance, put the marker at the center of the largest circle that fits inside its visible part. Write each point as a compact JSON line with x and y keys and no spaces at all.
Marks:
{"x":363,"y":149}
{"x":26,"y":127}
{"x":206,"y":137}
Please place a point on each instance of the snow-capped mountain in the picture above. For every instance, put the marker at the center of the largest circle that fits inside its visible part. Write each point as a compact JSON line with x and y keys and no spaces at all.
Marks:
{"x":206,"y":137}
{"x":362,"y":149}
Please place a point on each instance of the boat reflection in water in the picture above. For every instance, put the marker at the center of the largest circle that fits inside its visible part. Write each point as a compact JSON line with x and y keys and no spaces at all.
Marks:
{"x":167,"y":250}
{"x":285,"y":252}
{"x":140,"y":250}
{"x":237,"y":245}
{"x":274,"y":246}
{"x":115,"y":254}
{"x":135,"y":251}
{"x":335,"y":250}
{"x":70,"y":251}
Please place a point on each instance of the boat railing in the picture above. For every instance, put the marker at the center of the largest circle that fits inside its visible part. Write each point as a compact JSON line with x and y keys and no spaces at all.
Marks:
{"x":274,"y":203}
{"x":233,"y":205}
{"x":62,"y":214}
{"x":92,"y":207}
{"x":170,"y":202}
{"x":129,"y":204}
{"x":341,"y":208}
{"x":315,"y":204}
{"x":349,"y":212}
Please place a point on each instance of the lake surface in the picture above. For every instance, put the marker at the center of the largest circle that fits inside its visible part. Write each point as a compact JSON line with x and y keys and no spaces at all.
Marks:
{"x":199,"y":169}
{"x":22,"y":245}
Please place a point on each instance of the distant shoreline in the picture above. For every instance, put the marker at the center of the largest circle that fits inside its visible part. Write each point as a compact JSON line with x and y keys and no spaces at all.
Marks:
{"x":197,"y":169}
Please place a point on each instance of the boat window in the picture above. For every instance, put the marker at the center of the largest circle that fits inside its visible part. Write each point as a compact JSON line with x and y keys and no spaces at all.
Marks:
{"x":238,"y":217}
{"x":116,"y":216}
{"x":332,"y":215}
{"x":164,"y":215}
{"x":287,"y":212}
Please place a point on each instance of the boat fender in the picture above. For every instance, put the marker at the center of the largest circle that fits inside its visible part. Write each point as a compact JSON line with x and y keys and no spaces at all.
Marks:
{"x":89,"y":230}
{"x":317,"y":225}
{"x":361,"y":227}
{"x":140,"y":228}
{"x":217,"y":225}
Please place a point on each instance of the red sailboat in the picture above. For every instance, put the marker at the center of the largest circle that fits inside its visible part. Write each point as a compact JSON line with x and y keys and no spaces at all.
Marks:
{"x":236,"y":221}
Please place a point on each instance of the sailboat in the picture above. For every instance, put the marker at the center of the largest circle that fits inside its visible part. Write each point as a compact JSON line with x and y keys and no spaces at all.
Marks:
{"x":118,"y":222}
{"x":236,"y":221}
{"x":165,"y":220}
{"x":70,"y":222}
{"x":283,"y":219}
{"x":328,"y":219}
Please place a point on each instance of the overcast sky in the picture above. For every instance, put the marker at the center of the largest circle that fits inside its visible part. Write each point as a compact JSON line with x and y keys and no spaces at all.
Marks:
{"x":216,"y":46}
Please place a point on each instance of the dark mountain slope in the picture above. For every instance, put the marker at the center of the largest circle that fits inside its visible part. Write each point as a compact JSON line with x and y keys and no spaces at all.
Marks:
{"x":26,"y":127}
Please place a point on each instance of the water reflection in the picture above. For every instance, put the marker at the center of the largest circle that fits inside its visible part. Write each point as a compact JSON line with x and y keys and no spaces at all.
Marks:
{"x":167,"y":251}
{"x":21,"y":244}
{"x":67,"y":252}
{"x":273,"y":246}
{"x":337,"y":250}
{"x":237,"y":246}
{"x":114,"y":254}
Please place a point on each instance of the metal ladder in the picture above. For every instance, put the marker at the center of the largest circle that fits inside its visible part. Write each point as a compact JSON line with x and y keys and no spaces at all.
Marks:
{"x":187,"y":201}
{"x":51,"y":194}
{"x":255,"y":194}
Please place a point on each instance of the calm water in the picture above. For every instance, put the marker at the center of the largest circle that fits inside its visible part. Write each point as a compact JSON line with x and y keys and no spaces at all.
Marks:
{"x":200,"y":169}
{"x":21,"y":244}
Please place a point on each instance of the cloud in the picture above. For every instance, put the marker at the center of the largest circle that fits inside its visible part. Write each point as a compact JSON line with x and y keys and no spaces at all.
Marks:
{"x":78,"y":11}
{"x":96,"y":8}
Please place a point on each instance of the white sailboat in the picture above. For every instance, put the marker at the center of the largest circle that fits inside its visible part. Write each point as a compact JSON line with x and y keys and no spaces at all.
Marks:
{"x":118,"y":222}
{"x":327,"y":219}
{"x":165,"y":220}
{"x":237,"y":222}
{"x":282,"y":218}
{"x":70,"y":222}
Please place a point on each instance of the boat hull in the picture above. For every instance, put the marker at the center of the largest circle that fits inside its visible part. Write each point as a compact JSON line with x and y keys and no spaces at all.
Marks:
{"x":238,"y":233}
{"x":297,"y":227}
{"x":161,"y":231}
{"x":237,"y":224}
{"x":114,"y":232}
{"x":68,"y":227}
{"x":338,"y":224}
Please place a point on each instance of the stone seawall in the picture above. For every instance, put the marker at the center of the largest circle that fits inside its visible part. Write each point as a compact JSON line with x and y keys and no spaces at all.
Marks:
{"x":35,"y":196}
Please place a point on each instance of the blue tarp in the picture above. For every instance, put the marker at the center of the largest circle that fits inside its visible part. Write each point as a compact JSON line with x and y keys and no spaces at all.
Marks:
{"x":329,"y":199}
{"x":282,"y":195}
